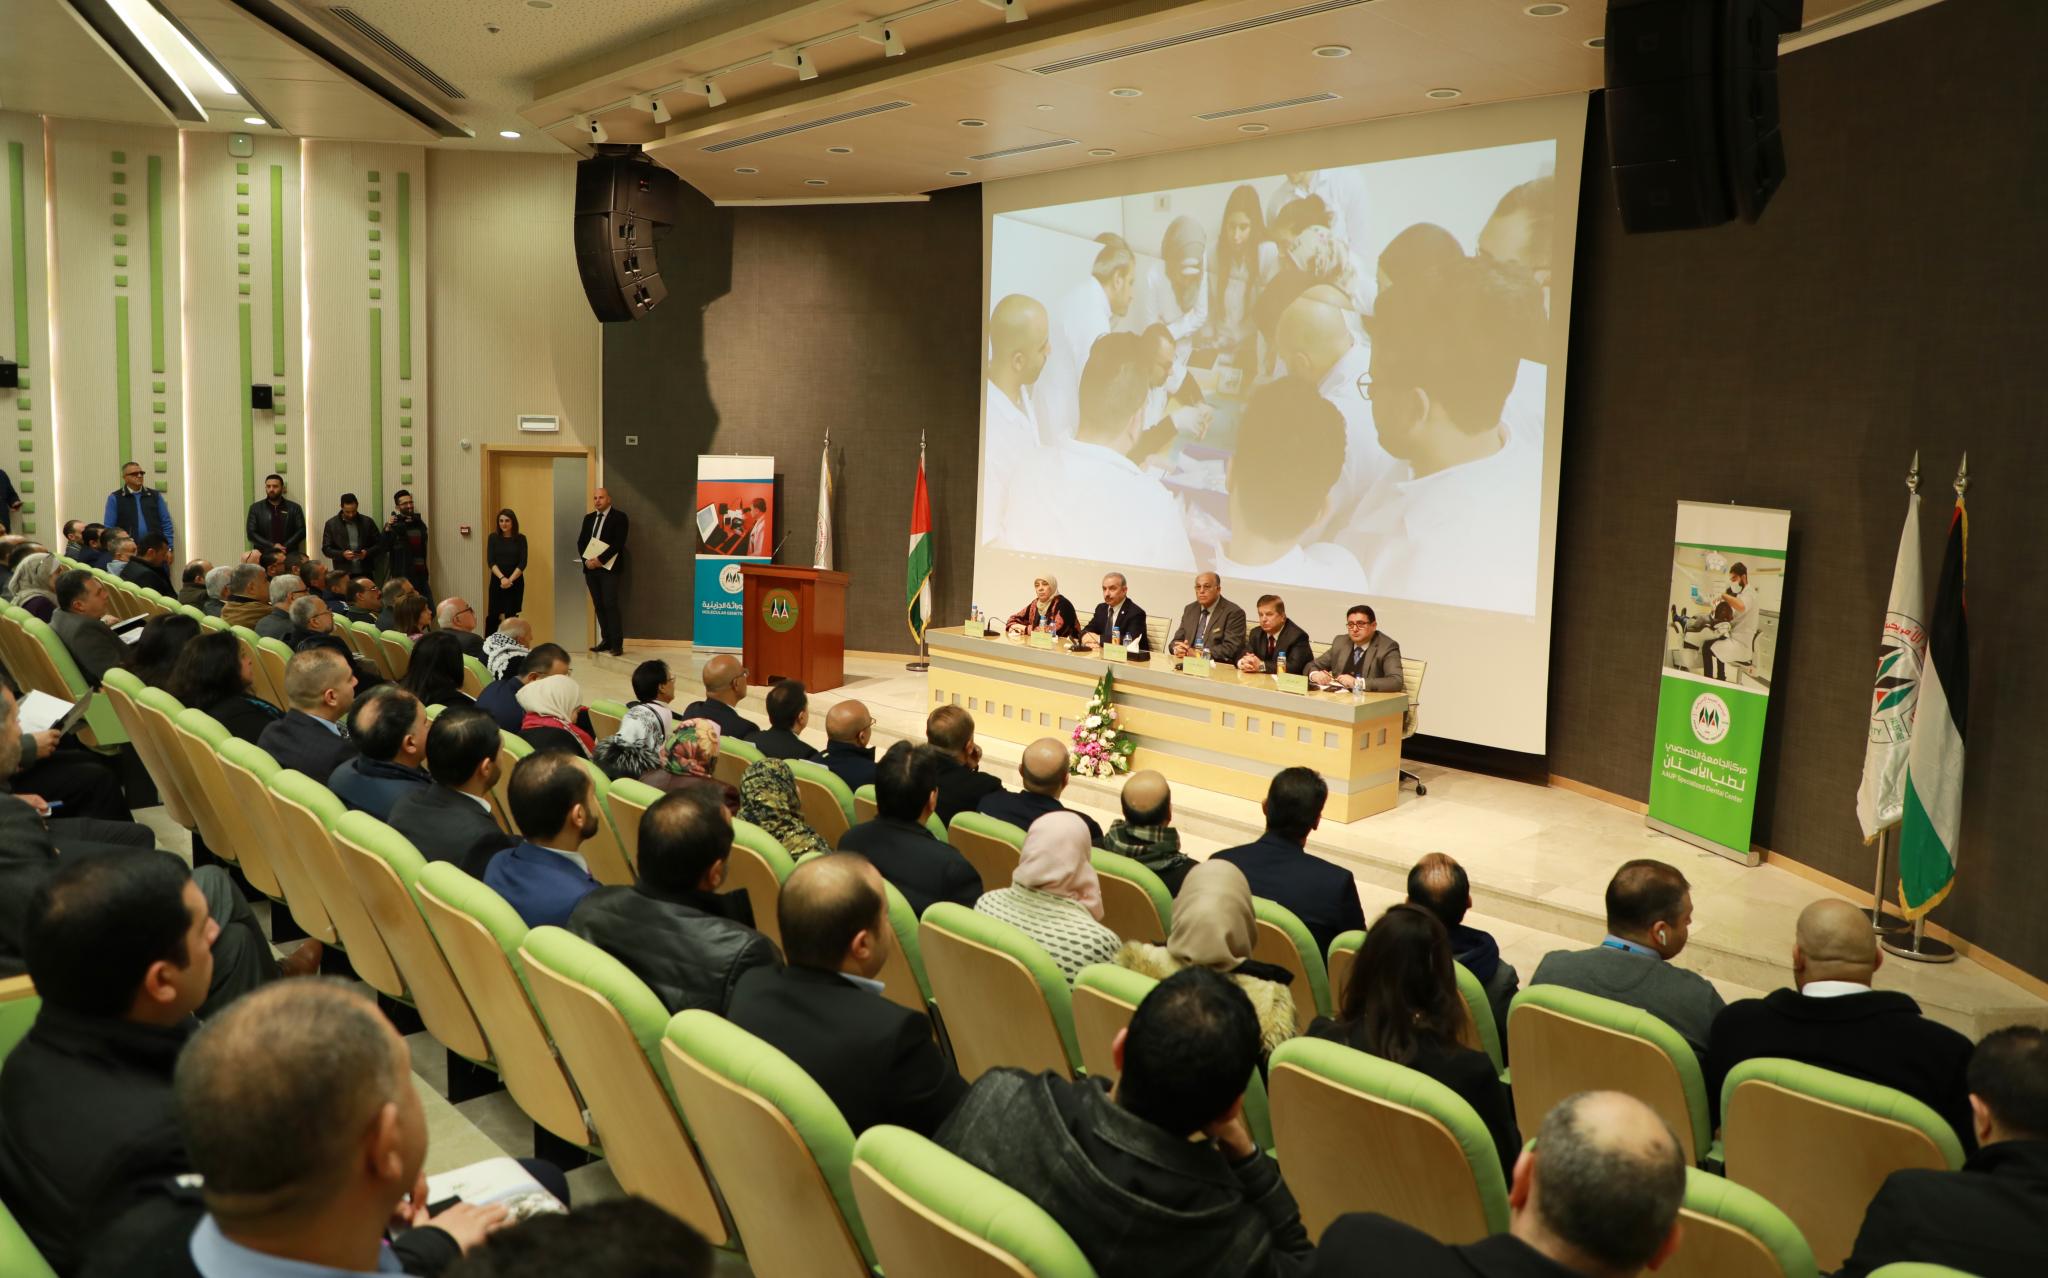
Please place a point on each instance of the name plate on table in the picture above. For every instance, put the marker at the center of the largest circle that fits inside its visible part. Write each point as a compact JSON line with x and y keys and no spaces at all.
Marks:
{"x":1115,"y":652}
{"x":972,"y":629}
{"x":1291,"y":683}
{"x":1041,"y":639}
{"x":1200,"y":666}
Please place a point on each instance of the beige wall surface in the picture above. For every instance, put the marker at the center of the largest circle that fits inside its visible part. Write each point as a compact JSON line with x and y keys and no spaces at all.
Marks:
{"x":29,"y":453}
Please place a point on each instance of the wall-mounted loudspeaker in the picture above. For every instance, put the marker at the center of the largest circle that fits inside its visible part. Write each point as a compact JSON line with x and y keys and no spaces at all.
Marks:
{"x":262,"y":399}
{"x":624,"y":200}
{"x":10,"y":375}
{"x":1692,"y":109}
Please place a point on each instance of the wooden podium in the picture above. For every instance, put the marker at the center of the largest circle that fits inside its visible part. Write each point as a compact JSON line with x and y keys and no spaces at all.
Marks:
{"x":796,"y":625}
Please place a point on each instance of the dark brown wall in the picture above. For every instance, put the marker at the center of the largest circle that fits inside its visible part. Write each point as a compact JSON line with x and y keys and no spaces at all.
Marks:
{"x":1891,"y":298}
{"x":780,"y":322}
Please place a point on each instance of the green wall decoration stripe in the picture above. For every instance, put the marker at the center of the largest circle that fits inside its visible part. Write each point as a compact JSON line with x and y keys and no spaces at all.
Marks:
{"x":404,"y":277}
{"x":276,"y":272}
{"x":156,"y":266}
{"x":124,"y":425}
{"x":248,"y":367}
{"x":376,"y":403}
{"x":17,"y":247}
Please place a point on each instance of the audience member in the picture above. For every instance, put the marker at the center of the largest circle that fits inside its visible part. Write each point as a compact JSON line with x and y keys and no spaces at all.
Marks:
{"x":192,"y":583}
{"x":509,"y":644}
{"x":309,"y":739}
{"x":553,"y":705}
{"x":412,"y":617}
{"x":435,"y":672}
{"x":154,"y":655}
{"x":1438,"y":884}
{"x":363,"y":601}
{"x":1054,"y":896}
{"x":91,"y":552}
{"x":1985,"y":1219}
{"x":1146,"y":833}
{"x":349,"y":539}
{"x":389,"y":728}
{"x":1280,"y":868}
{"x":635,"y":751}
{"x":80,"y":623}
{"x":768,"y":799}
{"x":1120,"y":1169}
{"x":405,"y":544}
{"x":500,"y":698}
{"x":134,"y":507}
{"x":1215,"y":926}
{"x":827,"y":1011}
{"x":654,"y":687}
{"x":314,"y":574}
{"x":309,"y":615}
{"x":218,"y":581}
{"x":789,"y":713}
{"x":33,"y":585}
{"x":1402,"y":1005}
{"x":454,"y":616}
{"x":673,"y":929}
{"x":276,"y":523}
{"x":149,"y":563}
{"x":1043,"y":774}
{"x":849,"y":744}
{"x":388,"y":596}
{"x":247,"y":601}
{"x":1834,"y":1019}
{"x":619,"y":1238}
{"x":216,"y":674}
{"x":962,"y":783}
{"x":690,"y":760}
{"x":74,"y":538}
{"x":1649,"y":912}
{"x":897,"y":841}
{"x":555,"y":806}
{"x":286,"y":589}
{"x":1596,"y":1196}
{"x":451,"y":820}
{"x":725,"y":685}
{"x":50,"y":774}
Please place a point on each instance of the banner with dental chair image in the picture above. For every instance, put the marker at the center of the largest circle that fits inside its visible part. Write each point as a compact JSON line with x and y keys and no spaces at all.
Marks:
{"x":1720,"y":645}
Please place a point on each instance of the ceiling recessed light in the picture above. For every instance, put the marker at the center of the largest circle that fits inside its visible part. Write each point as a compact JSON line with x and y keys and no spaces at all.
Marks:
{"x":1546,"y":10}
{"x":1101,"y":151}
{"x":973,"y":124}
{"x":1444,"y":95}
{"x":256,"y":120}
{"x":1597,"y":42}
{"x":1044,"y":106}
{"x":1252,"y":128}
{"x":1126,"y":92}
{"x":746,"y":169}
{"x":814,"y":181}
{"x":839,"y":150}
{"x":1332,"y":50}
{"x":540,"y":4}
{"x":508,"y":133}
{"x":958,"y":173}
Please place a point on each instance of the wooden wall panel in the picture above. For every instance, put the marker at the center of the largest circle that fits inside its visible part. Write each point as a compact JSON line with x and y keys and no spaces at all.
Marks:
{"x":27,"y":453}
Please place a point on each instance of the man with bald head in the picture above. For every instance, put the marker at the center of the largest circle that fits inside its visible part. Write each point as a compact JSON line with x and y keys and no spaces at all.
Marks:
{"x":1211,"y":621}
{"x":455,"y":616}
{"x":1146,"y":833}
{"x":826,"y":1010}
{"x":1597,"y":1195}
{"x":1017,"y":343}
{"x":1440,"y":885}
{"x":1043,"y":773}
{"x":1315,"y":341}
{"x":725,"y":686}
{"x":321,"y":686}
{"x":605,"y":526}
{"x":849,"y":731}
{"x":1832,"y":1018}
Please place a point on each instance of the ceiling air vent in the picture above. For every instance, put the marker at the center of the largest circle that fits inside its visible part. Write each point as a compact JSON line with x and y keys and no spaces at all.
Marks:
{"x":369,"y":30}
{"x":786,"y":130}
{"x":1281,"y":105}
{"x":1208,"y":33}
{"x":1023,"y":150}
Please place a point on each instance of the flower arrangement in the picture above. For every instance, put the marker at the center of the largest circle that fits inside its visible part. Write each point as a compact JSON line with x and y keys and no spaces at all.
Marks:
{"x":1100,"y":747}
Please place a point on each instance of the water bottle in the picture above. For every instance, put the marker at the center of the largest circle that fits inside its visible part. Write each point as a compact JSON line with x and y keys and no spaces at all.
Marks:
{"x":1116,"y":634}
{"x":1202,"y":646}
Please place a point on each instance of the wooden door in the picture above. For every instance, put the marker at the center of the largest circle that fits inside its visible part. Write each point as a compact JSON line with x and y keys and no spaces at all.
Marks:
{"x":525,"y":482}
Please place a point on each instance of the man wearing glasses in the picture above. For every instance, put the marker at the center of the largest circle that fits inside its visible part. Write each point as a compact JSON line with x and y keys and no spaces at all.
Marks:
{"x":725,"y":686}
{"x":1362,"y":659}
{"x":139,"y":508}
{"x":849,"y":744}
{"x":455,"y":616}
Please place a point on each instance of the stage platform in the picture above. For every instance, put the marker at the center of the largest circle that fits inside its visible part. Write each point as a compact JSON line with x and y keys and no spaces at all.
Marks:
{"x":1539,"y":857}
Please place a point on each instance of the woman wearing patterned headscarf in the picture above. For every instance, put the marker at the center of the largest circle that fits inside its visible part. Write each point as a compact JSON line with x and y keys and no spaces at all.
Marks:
{"x":1214,"y":927}
{"x":1054,"y":896}
{"x":768,"y":799}
{"x":689,"y":757}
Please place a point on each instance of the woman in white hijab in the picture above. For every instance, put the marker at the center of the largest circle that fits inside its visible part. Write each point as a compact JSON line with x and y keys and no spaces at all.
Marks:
{"x":1048,"y":610}
{"x":552,"y":705}
{"x":1054,"y":897}
{"x":1214,"y":926}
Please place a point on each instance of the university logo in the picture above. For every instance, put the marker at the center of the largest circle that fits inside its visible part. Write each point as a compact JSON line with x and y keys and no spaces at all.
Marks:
{"x":730,"y":579}
{"x":1897,"y":692}
{"x":1710,"y":718}
{"x":779,"y":611}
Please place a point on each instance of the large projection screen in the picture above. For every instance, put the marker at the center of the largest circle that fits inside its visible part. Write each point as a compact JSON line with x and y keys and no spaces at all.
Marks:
{"x":1328,"y":366}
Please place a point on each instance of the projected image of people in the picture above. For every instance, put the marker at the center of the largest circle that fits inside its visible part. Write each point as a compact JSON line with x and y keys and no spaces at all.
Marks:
{"x":1333,"y":379}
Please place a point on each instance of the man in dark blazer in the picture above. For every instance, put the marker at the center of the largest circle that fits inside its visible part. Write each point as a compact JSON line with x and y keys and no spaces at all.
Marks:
{"x":451,"y":819}
{"x":389,"y":728}
{"x":608,"y":524}
{"x":276,"y":522}
{"x":1116,"y":615}
{"x":962,"y":783}
{"x":553,"y":803}
{"x":1835,"y":1020}
{"x":1597,"y":1196}
{"x":1043,"y":774}
{"x":897,"y":841}
{"x":849,"y":752}
{"x":364,"y":600}
{"x":350,"y":539}
{"x":321,"y":687}
{"x":150,"y":563}
{"x":1279,"y":867}
{"x":1985,"y":1219}
{"x":82,"y":606}
{"x":404,"y":544}
{"x":789,"y":712}
{"x":1274,"y":638}
{"x":1363,"y":657}
{"x":1215,"y":620}
{"x":725,"y":686}
{"x":826,"y":1010}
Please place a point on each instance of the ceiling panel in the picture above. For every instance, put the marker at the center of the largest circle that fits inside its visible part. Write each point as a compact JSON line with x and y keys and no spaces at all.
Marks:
{"x":53,"y":64}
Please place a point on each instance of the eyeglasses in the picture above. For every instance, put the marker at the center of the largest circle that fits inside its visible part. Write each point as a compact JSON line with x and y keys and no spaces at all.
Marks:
{"x":131,"y":474}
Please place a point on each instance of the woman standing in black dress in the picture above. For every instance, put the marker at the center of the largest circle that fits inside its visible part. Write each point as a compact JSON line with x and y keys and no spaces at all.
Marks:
{"x":506,"y":557}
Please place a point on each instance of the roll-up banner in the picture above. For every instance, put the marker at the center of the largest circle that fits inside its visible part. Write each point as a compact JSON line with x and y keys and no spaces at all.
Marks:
{"x":1720,"y":641}
{"x":735,"y":525}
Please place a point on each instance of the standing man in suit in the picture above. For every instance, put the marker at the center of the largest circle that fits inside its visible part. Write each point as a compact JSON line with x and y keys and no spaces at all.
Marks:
{"x":1211,"y":618}
{"x":1279,"y":867}
{"x":826,"y":1012}
{"x":451,"y":819}
{"x":80,"y":622}
{"x":962,"y":783}
{"x":1364,"y":658}
{"x":601,"y":571}
{"x":1276,"y":639}
{"x":1116,"y":614}
{"x":276,"y":522}
{"x":321,"y":687}
{"x":350,"y":539}
{"x":136,"y":507}
{"x":405,"y":545}
{"x":553,"y":802}
{"x":725,"y":686}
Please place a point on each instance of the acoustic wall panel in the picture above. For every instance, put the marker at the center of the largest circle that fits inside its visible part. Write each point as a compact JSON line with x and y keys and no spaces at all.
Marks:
{"x":27,"y":454}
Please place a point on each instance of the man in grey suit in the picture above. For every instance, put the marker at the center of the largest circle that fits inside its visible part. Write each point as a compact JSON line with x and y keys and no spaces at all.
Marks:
{"x":1213,"y":618}
{"x":80,"y":622}
{"x":1649,"y":915}
{"x":1362,"y":658}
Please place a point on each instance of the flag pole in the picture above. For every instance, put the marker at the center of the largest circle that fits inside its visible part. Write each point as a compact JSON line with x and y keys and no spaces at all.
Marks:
{"x":1882,"y":920}
{"x":1922,"y":948}
{"x":924,"y":643}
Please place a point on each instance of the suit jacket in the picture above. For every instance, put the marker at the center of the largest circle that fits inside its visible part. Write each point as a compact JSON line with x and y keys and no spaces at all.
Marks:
{"x":853,"y":764}
{"x":95,"y":648}
{"x":875,"y":1059}
{"x":471,"y":642}
{"x":373,"y":786}
{"x":1021,"y":807}
{"x":305,"y":744}
{"x":691,"y":949}
{"x":780,"y":743}
{"x":1322,"y":894}
{"x":1226,"y":629}
{"x":1292,"y":642}
{"x":616,"y":526}
{"x":145,"y":576}
{"x":1365,"y":1245}
{"x":542,"y":886}
{"x":27,"y":856}
{"x":334,"y":543}
{"x":276,"y":624}
{"x":923,"y":869}
{"x":447,"y":825}
{"x":961,"y":788}
{"x":1983,"y":1220}
{"x":500,"y":700}
{"x":1130,"y":619}
{"x":729,"y":721}
{"x":1684,"y":1000}
{"x":257,"y":526}
{"x":193,"y":596}
{"x":1380,"y":668}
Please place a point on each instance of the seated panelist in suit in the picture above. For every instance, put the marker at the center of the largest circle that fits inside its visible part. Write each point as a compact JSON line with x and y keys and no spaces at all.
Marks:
{"x":1363,"y":658}
{"x":1115,"y":615}
{"x":451,"y":819}
{"x":1049,"y":610}
{"x":1276,"y":638}
{"x":321,"y":687}
{"x":554,"y":804}
{"x":1211,"y":619}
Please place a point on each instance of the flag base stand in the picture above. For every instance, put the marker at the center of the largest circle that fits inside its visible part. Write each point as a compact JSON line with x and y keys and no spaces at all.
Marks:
{"x":919,"y":666}
{"x":1882,"y":920}
{"x":924,"y":656}
{"x":1920,"y":948}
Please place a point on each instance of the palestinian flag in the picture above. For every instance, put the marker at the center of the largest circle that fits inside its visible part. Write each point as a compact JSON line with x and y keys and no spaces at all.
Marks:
{"x":1931,"y":825}
{"x":919,"y":577}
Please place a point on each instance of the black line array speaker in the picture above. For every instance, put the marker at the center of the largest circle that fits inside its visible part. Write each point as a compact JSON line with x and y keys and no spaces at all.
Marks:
{"x":624,"y":201}
{"x":1692,"y":109}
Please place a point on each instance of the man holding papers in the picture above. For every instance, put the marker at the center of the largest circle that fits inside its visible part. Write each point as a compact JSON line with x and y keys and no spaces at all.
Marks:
{"x":599,"y":544}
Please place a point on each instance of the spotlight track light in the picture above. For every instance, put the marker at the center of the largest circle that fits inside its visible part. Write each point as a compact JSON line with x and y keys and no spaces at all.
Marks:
{"x":706,"y":89}
{"x":592,"y":127}
{"x":884,"y":34}
{"x":796,"y":60}
{"x":661,"y":114}
{"x":1012,"y":10}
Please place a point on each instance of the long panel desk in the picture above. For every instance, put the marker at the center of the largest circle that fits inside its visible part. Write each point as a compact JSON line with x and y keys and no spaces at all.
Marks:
{"x":1228,"y":731}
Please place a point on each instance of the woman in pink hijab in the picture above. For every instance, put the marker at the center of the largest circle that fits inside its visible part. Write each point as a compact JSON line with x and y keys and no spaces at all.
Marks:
{"x":1054,"y":897}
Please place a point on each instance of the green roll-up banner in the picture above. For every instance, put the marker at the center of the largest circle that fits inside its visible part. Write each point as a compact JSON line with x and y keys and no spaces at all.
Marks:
{"x":1720,"y":642}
